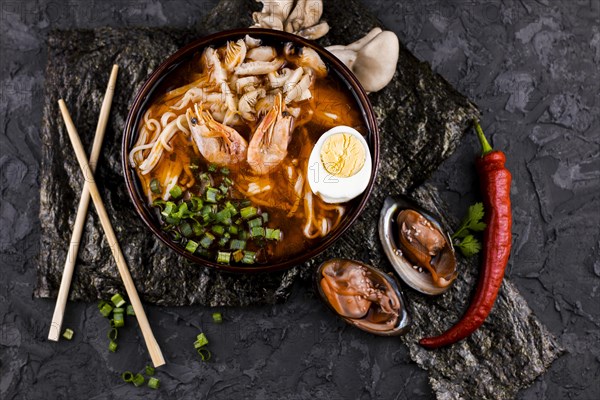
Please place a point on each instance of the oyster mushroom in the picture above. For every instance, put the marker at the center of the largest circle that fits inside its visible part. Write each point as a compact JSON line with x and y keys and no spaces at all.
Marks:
{"x":372,"y":58}
{"x":301,"y":17}
{"x":416,"y":245}
{"x":363,"y":296}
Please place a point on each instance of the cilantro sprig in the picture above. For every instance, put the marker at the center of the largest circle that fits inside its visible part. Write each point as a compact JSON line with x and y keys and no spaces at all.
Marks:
{"x":463,"y":237}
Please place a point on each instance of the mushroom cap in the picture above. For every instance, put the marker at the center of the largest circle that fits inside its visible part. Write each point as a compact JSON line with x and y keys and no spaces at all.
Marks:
{"x":375,"y":63}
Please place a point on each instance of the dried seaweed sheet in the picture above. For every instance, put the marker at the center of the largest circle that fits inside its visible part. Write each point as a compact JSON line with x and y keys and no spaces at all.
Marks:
{"x":422,"y":119}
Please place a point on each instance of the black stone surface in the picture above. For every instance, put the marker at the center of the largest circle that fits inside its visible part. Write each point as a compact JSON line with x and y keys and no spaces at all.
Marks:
{"x":532,"y":66}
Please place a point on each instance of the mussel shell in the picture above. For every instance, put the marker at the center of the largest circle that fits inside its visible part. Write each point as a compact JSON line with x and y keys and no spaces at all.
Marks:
{"x":420,"y":281}
{"x":403,"y":318}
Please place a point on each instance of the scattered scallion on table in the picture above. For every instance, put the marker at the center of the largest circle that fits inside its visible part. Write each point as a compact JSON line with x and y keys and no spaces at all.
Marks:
{"x":217,"y":318}
{"x":68,"y":334}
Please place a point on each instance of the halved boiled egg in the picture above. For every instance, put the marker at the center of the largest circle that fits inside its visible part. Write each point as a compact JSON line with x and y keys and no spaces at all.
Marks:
{"x":339,"y":167}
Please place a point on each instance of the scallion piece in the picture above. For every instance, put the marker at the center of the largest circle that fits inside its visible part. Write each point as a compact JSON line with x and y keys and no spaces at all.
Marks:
{"x":265,"y":217}
{"x":149,"y":370}
{"x":113,"y":334}
{"x":191,"y":246}
{"x":223,"y":257}
{"x":224,"y":217}
{"x":176,"y":192}
{"x":68,"y":334}
{"x":273,"y":234}
{"x":153,"y":383}
{"x":113,"y":346}
{"x":255,"y":222}
{"x":217,"y":318}
{"x":138,"y":380}
{"x":106,"y":309}
{"x":118,"y":319}
{"x":204,"y":354}
{"x":207,"y":240}
{"x":218,"y":229}
{"x":257,"y":231}
{"x":118,"y":300}
{"x":130,"y":310}
{"x":170,"y":207}
{"x":245,"y":203}
{"x":232,"y":210}
{"x":155,"y":186}
{"x":186,"y":229}
{"x":233,"y":230}
{"x":237,"y":244}
{"x":223,"y":241}
{"x":225,"y":171}
{"x":197,"y":228}
{"x":212,"y":195}
{"x":212,"y":168}
{"x":238,"y":255}
{"x":127,"y":376}
{"x":248,"y":212}
{"x":243,"y":235}
{"x":201,"y":340}
{"x":118,"y":310}
{"x":249,"y":257}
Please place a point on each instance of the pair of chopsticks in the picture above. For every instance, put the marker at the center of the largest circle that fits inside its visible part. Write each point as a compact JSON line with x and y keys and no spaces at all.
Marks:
{"x":90,"y":189}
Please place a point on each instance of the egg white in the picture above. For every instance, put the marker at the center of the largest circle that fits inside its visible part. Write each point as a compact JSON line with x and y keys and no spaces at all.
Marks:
{"x":334,"y":189}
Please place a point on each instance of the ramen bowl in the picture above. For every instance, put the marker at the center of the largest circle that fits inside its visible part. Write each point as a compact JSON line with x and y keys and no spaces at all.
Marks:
{"x":171,"y":74}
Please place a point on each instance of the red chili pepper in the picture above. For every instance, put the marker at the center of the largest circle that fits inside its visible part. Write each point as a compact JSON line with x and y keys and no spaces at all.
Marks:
{"x":495,"y":187}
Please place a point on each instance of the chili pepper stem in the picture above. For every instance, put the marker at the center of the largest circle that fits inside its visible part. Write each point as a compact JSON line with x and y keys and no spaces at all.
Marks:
{"x":485,"y":146}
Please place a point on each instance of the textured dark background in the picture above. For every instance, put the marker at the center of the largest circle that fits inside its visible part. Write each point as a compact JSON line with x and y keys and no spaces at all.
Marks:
{"x":532,"y":67}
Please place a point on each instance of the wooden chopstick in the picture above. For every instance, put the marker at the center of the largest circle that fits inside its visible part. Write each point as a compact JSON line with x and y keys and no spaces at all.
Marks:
{"x":151,"y":344}
{"x":65,"y":283}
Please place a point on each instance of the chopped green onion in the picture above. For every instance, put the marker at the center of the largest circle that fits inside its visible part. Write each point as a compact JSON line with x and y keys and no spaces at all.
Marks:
{"x":248,"y":212}
{"x":118,"y":310}
{"x":217,"y":318}
{"x":227,"y":181}
{"x":218,"y":229}
{"x":273,"y":234}
{"x":138,"y":380}
{"x":101,"y":304}
{"x":106,"y":309}
{"x":237,"y":244}
{"x":118,"y":320}
{"x":238,"y":255}
{"x":255,"y":222}
{"x":232,"y":210}
{"x":243,"y":235}
{"x":68,"y":334}
{"x":223,"y":241}
{"x":118,"y":300}
{"x":265,"y":217}
{"x":130,"y":310}
{"x":153,"y":383}
{"x":191,"y":246}
{"x":197,"y":203}
{"x":212,"y":168}
{"x":170,"y":207}
{"x":223,"y":188}
{"x":155,"y":186}
{"x":112,"y":346}
{"x":249,"y":257}
{"x":113,"y":334}
{"x":194,"y":166}
{"x":223,"y":257}
{"x":224,"y":217}
{"x":127,"y":376}
{"x":204,"y":354}
{"x":212,"y":195}
{"x":197,"y":229}
{"x":176,"y":192}
{"x":186,"y":229}
{"x":149,"y":370}
{"x":257,"y":231}
{"x":225,"y":171}
{"x":201,"y":340}
{"x":245,"y":203}
{"x":233,"y":229}
{"x":207,"y":240}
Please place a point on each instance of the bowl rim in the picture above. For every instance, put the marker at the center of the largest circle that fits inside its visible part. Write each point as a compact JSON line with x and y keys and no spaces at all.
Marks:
{"x":175,"y":60}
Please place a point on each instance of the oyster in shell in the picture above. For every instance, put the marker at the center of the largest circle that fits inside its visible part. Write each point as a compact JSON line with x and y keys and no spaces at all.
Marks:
{"x":417,"y":246}
{"x":363,"y":296}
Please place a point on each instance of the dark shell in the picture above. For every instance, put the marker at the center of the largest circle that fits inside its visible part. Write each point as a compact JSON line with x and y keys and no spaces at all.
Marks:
{"x":418,"y":280}
{"x":403,"y":319}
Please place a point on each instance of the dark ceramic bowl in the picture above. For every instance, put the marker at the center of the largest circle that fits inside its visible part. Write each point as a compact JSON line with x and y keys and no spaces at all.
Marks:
{"x":170,"y":66}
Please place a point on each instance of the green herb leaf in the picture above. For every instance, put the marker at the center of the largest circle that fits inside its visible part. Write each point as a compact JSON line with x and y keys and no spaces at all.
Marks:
{"x":469,"y":246}
{"x":472,"y":221}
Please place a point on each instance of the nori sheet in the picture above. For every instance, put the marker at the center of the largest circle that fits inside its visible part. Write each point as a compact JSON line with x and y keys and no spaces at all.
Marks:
{"x":422,"y":120}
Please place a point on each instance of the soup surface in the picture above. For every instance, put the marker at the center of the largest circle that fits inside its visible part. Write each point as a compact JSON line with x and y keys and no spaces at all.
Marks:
{"x":222,"y":150}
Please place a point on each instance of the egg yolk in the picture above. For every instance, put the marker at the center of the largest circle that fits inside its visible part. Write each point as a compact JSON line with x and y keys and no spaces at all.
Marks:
{"x":343,"y":155}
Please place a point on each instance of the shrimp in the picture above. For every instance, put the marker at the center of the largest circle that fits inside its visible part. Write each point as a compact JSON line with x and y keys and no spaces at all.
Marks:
{"x":268,"y":145}
{"x":218,"y":143}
